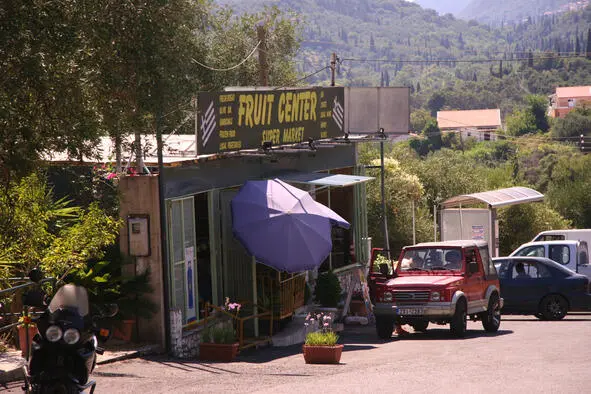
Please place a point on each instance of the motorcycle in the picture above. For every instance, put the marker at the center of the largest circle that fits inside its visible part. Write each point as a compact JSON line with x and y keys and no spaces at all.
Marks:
{"x":63,"y":353}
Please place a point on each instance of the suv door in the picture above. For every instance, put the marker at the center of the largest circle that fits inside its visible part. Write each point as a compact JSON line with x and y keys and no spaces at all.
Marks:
{"x":474,"y":282}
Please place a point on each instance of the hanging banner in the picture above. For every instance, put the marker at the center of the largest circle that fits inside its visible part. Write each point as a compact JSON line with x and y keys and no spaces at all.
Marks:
{"x":190,"y":284}
{"x":230,"y":121}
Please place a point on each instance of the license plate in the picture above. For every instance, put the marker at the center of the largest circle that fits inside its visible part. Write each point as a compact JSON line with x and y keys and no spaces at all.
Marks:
{"x":410,"y":311}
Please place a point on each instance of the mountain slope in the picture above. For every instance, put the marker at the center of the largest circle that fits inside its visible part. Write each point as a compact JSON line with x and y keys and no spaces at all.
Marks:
{"x":444,"y":6}
{"x":497,"y":11}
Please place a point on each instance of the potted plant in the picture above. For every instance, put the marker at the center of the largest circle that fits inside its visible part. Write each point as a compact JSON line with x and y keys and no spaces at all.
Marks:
{"x":218,"y":341}
{"x":328,"y":290}
{"x":321,"y":345}
{"x":26,"y":328}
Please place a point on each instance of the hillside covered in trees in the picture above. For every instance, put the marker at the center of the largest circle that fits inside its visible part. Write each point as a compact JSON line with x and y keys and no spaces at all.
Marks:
{"x":500,"y":11}
{"x":397,"y":43}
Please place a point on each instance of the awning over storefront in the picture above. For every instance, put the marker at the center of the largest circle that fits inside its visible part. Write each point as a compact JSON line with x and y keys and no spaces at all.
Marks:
{"x":497,"y":198}
{"x":323,"y":179}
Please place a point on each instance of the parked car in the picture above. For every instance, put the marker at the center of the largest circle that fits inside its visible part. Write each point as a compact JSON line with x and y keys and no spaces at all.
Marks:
{"x":436,"y":282}
{"x":542,"y":287}
{"x":570,"y":254}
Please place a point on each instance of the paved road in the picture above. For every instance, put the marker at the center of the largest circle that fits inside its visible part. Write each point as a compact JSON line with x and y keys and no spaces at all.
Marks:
{"x":525,"y":355}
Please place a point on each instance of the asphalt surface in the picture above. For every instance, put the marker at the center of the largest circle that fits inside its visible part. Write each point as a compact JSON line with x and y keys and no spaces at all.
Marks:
{"x":525,"y":355}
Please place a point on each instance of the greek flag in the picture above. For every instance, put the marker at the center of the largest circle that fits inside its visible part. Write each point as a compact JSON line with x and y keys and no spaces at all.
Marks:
{"x":338,"y":114}
{"x":208,"y":124}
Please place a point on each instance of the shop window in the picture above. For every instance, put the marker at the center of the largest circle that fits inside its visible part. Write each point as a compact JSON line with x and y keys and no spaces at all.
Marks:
{"x":181,"y":233}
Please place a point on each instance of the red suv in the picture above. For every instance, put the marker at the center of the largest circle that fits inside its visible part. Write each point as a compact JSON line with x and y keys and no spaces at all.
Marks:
{"x":436,"y":282}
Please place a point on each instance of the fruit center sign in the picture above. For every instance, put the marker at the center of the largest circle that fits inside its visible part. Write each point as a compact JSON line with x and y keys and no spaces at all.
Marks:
{"x":230,"y":121}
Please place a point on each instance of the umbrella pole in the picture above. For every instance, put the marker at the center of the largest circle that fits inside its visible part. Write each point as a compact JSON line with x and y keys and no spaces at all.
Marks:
{"x":255,"y":296}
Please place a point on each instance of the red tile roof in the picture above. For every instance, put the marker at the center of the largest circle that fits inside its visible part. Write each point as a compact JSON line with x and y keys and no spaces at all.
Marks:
{"x":573,"y":92}
{"x":490,"y":118}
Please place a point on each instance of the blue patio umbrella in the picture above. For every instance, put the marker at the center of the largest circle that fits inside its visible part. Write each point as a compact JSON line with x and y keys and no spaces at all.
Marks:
{"x":282,"y":226}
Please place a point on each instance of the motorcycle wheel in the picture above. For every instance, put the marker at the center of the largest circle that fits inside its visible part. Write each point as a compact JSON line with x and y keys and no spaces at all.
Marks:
{"x":58,"y":388}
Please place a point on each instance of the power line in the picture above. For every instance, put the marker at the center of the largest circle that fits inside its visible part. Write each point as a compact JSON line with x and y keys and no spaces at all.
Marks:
{"x":233,"y":67}
{"x":305,"y":77}
{"x":460,"y":60}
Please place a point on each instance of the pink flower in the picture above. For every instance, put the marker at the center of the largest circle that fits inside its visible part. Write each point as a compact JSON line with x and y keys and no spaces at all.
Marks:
{"x":111,"y":176}
{"x":325,"y":324}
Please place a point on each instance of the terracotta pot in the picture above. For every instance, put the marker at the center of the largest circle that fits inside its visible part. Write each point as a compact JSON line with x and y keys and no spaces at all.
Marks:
{"x":22,"y":339}
{"x":322,"y":354}
{"x":125,"y":331}
{"x":357,"y":308}
{"x":224,"y":352}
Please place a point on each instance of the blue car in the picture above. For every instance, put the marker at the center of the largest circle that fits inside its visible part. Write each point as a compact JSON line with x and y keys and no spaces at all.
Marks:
{"x":542,"y":287}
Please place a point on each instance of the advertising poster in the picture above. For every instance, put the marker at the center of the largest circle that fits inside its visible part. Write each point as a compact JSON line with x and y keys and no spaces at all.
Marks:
{"x":190,"y":284}
{"x":231,"y":121}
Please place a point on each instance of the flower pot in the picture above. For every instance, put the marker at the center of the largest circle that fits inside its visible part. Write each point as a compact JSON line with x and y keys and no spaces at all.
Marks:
{"x":322,"y":354}
{"x":125,"y":331}
{"x":22,"y":338}
{"x":357,"y":308}
{"x":224,"y":352}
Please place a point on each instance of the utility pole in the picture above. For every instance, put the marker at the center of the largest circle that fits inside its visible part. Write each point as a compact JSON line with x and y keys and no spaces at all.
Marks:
{"x":263,"y":65}
{"x":333,"y":68}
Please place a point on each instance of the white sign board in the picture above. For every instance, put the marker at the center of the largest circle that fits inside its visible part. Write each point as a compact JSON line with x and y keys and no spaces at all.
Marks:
{"x":466,"y":223}
{"x":369,"y":109}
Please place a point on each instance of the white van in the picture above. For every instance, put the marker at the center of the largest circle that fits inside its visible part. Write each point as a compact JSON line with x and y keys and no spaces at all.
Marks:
{"x":564,"y":235}
{"x":571,"y":254}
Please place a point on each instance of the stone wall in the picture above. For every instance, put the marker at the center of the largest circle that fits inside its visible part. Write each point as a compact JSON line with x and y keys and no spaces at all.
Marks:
{"x":183,"y":344}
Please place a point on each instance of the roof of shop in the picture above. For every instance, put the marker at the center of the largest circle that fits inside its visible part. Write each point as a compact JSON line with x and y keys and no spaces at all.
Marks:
{"x":497,"y":198}
{"x":471,"y":118}
{"x":323,"y":179}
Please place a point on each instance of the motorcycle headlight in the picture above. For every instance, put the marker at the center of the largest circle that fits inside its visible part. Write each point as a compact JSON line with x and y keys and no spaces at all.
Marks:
{"x":435,"y":296}
{"x":387,"y":296}
{"x":53,"y":333}
{"x":71,"y":336}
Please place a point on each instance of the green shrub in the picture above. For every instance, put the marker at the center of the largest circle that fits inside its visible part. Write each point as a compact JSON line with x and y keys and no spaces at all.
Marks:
{"x":328,"y":289}
{"x":217,"y":334}
{"x":320,"y":338}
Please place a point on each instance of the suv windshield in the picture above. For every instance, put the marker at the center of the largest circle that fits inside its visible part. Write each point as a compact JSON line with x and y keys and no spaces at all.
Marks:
{"x":431,"y":259}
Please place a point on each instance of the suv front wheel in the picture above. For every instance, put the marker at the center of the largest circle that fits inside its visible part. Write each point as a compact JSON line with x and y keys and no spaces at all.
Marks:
{"x":458,"y":321}
{"x":384,"y":327}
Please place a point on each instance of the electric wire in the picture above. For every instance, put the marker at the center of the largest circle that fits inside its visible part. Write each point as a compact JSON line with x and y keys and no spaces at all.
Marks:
{"x":304,"y":77}
{"x":459,"y":60}
{"x":233,"y":67}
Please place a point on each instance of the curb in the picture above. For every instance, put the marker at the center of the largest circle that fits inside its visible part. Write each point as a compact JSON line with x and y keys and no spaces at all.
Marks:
{"x":18,"y":373}
{"x":13,"y":375}
{"x":145,"y":351}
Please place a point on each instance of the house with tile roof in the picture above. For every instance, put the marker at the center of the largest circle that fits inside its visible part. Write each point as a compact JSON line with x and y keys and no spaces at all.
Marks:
{"x":481,"y":124}
{"x":567,"y":98}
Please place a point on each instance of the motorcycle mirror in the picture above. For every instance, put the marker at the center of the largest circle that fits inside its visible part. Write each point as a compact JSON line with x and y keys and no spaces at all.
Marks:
{"x":111,"y":310}
{"x":35,"y":275}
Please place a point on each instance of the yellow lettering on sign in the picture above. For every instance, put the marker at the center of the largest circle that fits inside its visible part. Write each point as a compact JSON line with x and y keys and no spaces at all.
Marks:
{"x":223,"y":146}
{"x":234,"y":144}
{"x":273,"y":135}
{"x":255,"y":109}
{"x":293,"y":134}
{"x":225,"y":122}
{"x":227,"y":133}
{"x":297,"y":106}
{"x":226,"y":98}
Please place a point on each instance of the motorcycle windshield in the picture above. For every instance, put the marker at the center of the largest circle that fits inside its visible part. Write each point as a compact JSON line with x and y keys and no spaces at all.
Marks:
{"x":70,"y":296}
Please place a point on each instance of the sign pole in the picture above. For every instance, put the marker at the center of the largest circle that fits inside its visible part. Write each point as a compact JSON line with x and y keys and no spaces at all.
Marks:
{"x":384,"y":217}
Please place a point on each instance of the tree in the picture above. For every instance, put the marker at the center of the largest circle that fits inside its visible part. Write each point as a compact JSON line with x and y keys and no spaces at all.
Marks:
{"x":436,"y":102}
{"x":538,"y":106}
{"x":419,"y":119}
{"x":589,"y":43}
{"x":575,"y":123}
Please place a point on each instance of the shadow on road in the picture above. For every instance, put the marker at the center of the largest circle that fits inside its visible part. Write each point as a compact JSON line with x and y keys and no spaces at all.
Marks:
{"x":538,"y":321}
{"x":115,"y":375}
{"x":445,"y":334}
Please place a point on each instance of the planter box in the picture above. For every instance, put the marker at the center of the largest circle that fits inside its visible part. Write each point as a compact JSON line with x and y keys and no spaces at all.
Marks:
{"x":22,"y":339}
{"x":322,"y":354}
{"x":125,"y":332}
{"x":218,"y":351}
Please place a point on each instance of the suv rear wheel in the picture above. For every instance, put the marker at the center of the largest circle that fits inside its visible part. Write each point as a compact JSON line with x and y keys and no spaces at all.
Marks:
{"x":491,"y":319}
{"x":384,"y":327}
{"x":420,"y":325}
{"x":458,"y":321}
